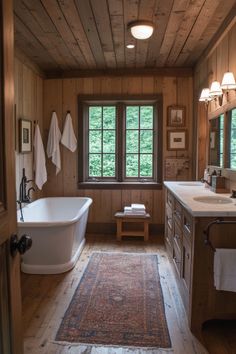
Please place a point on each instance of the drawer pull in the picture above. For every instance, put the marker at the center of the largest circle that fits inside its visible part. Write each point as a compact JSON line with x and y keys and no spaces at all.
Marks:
{"x":187,"y":255}
{"x":177,"y":236}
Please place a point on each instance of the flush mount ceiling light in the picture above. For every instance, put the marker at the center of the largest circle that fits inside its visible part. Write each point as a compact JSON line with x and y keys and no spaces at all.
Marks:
{"x":141,"y":29}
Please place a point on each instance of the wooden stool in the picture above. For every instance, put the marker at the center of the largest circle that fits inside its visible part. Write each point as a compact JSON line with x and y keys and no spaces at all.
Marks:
{"x":123,"y":218}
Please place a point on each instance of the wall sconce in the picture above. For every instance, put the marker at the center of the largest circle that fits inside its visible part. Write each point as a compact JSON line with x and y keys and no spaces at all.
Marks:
{"x":217,"y":90}
{"x":141,"y":29}
{"x":205,"y":97}
{"x":228,"y":83}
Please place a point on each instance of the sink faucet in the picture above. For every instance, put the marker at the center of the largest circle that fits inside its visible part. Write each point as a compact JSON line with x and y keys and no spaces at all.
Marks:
{"x":25,"y":196}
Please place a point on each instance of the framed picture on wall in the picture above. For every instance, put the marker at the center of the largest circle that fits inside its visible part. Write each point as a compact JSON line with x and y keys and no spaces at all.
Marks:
{"x":25,"y":135}
{"x":176,"y":116}
{"x":176,"y":140}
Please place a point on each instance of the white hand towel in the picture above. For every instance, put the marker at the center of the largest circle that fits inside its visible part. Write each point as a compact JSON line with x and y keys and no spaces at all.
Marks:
{"x":39,"y":159}
{"x":54,"y":137}
{"x":225,"y":269}
{"x":68,"y":136}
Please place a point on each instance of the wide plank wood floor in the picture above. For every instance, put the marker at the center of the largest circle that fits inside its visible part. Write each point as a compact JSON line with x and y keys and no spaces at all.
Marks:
{"x":46,"y":297}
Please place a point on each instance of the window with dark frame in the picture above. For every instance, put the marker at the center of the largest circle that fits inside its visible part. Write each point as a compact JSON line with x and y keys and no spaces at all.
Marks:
{"x":120,"y":140}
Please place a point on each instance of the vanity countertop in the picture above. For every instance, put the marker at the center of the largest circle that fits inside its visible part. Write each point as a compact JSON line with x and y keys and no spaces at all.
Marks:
{"x":220,"y":205}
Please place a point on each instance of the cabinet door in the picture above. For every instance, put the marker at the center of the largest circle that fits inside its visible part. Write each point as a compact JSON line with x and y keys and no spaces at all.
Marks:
{"x":186,"y":267}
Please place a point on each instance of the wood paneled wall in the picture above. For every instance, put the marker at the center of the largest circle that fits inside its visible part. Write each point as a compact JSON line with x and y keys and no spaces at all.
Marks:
{"x":219,"y":59}
{"x":62,"y":95}
{"x":28,"y":105}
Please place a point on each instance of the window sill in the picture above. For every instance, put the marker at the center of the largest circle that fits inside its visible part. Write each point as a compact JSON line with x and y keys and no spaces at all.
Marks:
{"x":119,"y":185}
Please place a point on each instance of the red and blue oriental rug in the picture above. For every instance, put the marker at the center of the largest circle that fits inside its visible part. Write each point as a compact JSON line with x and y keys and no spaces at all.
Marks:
{"x":118,"y":302}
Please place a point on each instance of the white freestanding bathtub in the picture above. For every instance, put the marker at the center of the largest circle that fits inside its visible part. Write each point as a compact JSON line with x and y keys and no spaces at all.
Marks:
{"x":57,"y":227}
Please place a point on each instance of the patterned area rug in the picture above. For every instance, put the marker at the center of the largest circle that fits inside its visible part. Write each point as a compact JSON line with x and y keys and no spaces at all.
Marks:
{"x":118,"y":302}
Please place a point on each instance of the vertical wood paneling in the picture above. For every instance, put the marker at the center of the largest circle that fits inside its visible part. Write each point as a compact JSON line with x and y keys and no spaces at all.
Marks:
{"x":28,"y":105}
{"x":221,"y":58}
{"x":62,"y":95}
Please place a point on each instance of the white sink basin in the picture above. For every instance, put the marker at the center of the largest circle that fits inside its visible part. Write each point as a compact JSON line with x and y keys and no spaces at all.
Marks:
{"x":190,"y":184}
{"x":213,"y":200}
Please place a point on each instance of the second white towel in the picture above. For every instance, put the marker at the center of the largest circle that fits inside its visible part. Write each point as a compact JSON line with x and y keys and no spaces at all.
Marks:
{"x":53,"y":148}
{"x":225,"y":269}
{"x":68,"y":136}
{"x":39,"y":159}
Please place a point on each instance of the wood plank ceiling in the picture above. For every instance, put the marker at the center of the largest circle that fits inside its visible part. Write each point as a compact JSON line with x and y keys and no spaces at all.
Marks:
{"x":66,"y":35}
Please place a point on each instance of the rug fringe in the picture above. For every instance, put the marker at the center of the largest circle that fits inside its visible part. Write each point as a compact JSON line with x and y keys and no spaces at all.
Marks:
{"x":112,"y":346}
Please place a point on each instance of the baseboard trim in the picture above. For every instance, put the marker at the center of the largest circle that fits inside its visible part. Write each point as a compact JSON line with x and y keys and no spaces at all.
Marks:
{"x":110,"y":228}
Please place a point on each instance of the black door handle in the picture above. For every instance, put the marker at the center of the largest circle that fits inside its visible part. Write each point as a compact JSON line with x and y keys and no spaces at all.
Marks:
{"x":21,"y":245}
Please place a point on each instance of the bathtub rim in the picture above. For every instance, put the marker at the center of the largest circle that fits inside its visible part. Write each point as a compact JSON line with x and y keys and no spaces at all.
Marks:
{"x":54,"y":222}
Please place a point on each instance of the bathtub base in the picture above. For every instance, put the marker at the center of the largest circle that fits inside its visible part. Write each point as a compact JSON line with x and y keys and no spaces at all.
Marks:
{"x":53,"y":269}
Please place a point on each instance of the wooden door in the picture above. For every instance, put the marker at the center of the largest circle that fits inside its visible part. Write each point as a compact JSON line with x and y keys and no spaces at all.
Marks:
{"x":10,"y":299}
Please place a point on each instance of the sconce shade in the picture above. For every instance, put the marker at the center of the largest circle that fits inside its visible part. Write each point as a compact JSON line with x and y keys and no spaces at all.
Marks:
{"x":215,"y":89}
{"x":141,"y":29}
{"x":228,"y":82}
{"x":205,"y":97}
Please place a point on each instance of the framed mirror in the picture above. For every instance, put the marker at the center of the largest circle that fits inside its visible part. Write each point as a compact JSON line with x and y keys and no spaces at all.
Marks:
{"x":216,"y":141}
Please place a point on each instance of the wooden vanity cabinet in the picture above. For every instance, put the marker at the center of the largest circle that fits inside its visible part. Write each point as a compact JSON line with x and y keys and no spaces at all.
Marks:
{"x":192,"y":262}
{"x":178,"y":243}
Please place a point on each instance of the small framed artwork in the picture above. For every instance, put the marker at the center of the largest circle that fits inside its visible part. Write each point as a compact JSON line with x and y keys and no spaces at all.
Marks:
{"x":176,"y":140}
{"x":176,"y":116}
{"x":25,"y":135}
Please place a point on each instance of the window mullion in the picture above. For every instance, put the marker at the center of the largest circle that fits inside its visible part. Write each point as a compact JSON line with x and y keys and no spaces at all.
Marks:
{"x":120,"y":142}
{"x":102,"y":144}
{"x":139,"y":142}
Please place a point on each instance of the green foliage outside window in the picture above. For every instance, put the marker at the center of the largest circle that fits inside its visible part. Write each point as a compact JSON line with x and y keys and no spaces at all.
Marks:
{"x":102,"y":141}
{"x":139,"y":141}
{"x":138,"y":136}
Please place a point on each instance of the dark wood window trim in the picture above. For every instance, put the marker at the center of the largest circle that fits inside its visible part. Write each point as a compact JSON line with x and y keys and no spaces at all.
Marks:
{"x":83,"y":102}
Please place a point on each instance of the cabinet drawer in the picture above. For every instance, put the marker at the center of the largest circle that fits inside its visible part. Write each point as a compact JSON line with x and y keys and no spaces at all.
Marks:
{"x":187,"y":223}
{"x":169,"y":241}
{"x":178,"y":211}
{"x":169,"y":217}
{"x":177,"y":258}
{"x":170,"y":199}
{"x":177,"y":235}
